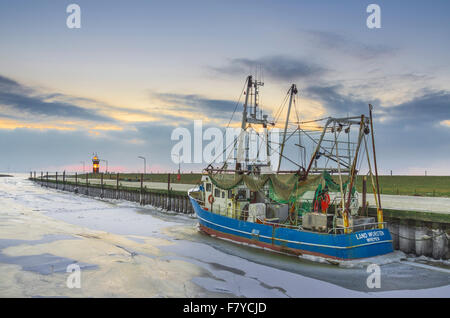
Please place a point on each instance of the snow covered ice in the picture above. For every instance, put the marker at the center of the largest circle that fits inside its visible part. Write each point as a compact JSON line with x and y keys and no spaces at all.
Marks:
{"x":125,"y":250}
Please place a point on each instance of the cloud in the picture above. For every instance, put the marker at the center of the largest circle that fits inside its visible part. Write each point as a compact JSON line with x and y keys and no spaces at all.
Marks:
{"x":17,"y":100}
{"x":403,"y":132}
{"x":276,"y":66}
{"x":42,"y":150}
{"x":333,"y":41}
{"x":195,"y":103}
{"x":427,"y":107}
{"x":4,"y":81}
{"x":336,"y":102}
{"x":430,"y":108}
{"x":35,"y":105}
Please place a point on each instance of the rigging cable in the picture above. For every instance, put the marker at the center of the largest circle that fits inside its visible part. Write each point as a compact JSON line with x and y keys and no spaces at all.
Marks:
{"x":235,"y":107}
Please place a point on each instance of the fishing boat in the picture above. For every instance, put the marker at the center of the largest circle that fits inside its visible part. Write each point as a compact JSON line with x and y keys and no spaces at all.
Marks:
{"x":312,"y":208}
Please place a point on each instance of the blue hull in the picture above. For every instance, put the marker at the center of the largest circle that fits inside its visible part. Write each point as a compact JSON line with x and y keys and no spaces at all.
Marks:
{"x":361,"y":244}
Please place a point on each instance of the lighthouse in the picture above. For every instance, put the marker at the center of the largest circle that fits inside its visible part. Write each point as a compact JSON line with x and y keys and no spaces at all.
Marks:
{"x":95,"y":164}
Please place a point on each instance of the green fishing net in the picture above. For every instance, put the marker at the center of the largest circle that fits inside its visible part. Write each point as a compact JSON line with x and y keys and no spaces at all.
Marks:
{"x":283,"y":188}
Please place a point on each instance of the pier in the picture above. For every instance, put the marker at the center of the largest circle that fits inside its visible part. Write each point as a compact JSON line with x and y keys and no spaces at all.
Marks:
{"x":417,"y":232}
{"x":165,"y":199}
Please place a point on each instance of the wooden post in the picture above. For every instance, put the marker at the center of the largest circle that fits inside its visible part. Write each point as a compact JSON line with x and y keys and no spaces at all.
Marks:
{"x":42,"y":178}
{"x":56,"y":180}
{"x":141,"y":195}
{"x":76,"y":179}
{"x":46,"y":176}
{"x":101,"y":182}
{"x":379,"y":209}
{"x":117,"y":186}
{"x":364,"y":193}
{"x":87,"y":183}
{"x":168,"y":192}
{"x":64,"y":180}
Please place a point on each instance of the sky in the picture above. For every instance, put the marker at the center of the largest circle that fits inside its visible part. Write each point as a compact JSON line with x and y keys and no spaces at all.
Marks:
{"x":136,"y":70}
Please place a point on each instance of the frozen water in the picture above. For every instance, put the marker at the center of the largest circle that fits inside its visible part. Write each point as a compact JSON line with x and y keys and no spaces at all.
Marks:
{"x":127,"y":250}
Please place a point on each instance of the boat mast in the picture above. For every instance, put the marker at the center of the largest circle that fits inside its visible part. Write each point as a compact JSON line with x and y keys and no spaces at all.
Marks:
{"x":293,"y":91}
{"x":244,"y":118}
{"x":244,"y":112}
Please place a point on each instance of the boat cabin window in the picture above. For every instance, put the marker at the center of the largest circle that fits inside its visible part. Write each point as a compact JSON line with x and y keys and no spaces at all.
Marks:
{"x":208,"y":187}
{"x":230,"y":194}
{"x":242,"y":194}
{"x":217,"y":193}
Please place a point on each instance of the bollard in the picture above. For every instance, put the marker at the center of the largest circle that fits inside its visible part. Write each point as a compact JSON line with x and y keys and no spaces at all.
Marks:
{"x":56,"y":180}
{"x":87,"y":184}
{"x":47,"y":179}
{"x":447,"y":236}
{"x":406,"y":237}
{"x":393,"y":226}
{"x":64,"y":180}
{"x":440,"y":243}
{"x":423,"y":238}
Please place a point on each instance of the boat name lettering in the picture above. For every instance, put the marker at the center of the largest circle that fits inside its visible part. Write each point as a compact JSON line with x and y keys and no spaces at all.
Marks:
{"x":370,"y":236}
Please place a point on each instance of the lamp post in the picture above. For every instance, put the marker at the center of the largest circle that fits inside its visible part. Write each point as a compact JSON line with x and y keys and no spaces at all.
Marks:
{"x":145,"y":163}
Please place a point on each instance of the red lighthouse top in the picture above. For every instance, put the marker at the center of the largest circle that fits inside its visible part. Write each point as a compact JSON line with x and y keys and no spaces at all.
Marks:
{"x":95,"y":164}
